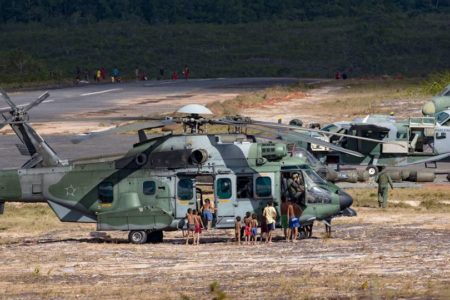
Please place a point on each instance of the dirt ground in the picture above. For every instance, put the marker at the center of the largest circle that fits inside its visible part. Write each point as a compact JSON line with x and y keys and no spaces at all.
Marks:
{"x":378,"y":254}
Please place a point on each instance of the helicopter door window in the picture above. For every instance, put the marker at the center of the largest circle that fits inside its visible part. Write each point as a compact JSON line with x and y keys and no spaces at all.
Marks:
{"x":263,"y":187}
{"x":106,"y":192}
{"x":223,"y":188}
{"x":149,"y":188}
{"x":185,"y":189}
{"x":244,"y":187}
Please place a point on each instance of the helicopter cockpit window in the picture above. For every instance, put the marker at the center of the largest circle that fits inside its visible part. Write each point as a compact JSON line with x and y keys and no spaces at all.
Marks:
{"x":244,"y":187}
{"x":223,"y":188}
{"x":263,"y":187}
{"x":313,"y":177}
{"x":149,"y":188}
{"x":106,"y":192}
{"x":185,"y":189}
{"x":441,"y":117}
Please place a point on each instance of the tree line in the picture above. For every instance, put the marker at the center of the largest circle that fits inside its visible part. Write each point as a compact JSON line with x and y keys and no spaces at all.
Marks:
{"x":204,"y":11}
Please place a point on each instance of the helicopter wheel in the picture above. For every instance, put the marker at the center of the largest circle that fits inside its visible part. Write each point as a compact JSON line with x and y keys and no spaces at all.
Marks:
{"x":137,"y":236}
{"x":302,"y":234}
{"x":155,"y":237}
{"x":372,"y":170}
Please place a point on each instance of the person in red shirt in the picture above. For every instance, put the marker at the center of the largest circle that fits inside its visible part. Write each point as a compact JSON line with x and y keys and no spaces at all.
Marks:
{"x":186,"y":72}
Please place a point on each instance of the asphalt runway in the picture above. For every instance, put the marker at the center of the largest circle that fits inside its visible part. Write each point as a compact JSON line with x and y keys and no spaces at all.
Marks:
{"x":97,"y":97}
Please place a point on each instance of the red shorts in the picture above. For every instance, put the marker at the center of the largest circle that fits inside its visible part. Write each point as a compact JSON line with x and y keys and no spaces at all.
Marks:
{"x":247,"y":231}
{"x":198,"y":229}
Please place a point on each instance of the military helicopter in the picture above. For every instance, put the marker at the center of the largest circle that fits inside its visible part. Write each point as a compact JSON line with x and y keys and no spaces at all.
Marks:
{"x":391,"y":143}
{"x":149,"y":189}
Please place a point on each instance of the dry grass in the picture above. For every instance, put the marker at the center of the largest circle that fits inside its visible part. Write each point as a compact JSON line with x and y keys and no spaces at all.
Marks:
{"x":363,"y":97}
{"x":430,"y":198}
{"x":256,"y":99}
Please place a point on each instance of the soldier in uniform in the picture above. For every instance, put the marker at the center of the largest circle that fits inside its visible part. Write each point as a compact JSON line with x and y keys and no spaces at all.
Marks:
{"x":296,"y":189}
{"x":384,"y":181}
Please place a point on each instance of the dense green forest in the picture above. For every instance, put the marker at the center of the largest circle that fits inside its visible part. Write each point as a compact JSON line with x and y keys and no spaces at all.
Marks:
{"x":47,"y":39}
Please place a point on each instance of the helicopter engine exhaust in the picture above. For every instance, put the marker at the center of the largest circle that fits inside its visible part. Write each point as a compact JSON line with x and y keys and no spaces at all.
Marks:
{"x":199,"y":156}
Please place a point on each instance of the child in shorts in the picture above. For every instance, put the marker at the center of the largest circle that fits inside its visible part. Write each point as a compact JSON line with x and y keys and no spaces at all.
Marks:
{"x":254,"y":228}
{"x":247,"y":227}
{"x":237,"y":229}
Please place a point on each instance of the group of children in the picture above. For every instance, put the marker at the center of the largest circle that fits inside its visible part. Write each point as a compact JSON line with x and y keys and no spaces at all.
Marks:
{"x":248,"y":229}
{"x":194,"y":226}
{"x":195,"y":222}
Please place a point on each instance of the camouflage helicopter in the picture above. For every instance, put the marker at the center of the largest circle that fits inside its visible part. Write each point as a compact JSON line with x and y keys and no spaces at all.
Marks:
{"x":149,"y":189}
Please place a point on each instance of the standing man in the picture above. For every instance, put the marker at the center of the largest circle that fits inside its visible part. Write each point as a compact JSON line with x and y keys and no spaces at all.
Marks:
{"x":270,"y":214}
{"x":384,"y":181}
{"x":284,"y":216}
{"x":296,"y":189}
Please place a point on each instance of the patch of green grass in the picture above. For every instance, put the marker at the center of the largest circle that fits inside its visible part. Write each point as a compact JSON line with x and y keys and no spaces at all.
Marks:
{"x":435,"y":83}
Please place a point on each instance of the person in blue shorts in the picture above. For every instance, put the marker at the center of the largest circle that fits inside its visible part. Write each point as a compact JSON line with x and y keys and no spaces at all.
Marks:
{"x":254,"y":228}
{"x":207,"y":214}
{"x":294,"y":222}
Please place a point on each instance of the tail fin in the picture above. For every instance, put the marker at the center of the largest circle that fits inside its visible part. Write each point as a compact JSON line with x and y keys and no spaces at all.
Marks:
{"x":42,"y":155}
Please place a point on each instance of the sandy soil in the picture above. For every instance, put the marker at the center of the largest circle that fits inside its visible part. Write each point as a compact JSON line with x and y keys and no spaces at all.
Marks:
{"x":385,"y":254}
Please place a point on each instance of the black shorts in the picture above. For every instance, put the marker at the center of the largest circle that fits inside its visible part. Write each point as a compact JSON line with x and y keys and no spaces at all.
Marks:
{"x":270,"y":227}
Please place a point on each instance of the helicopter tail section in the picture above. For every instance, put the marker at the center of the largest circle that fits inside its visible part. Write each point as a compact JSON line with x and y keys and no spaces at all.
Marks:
{"x":40,"y":152}
{"x":16,"y":116}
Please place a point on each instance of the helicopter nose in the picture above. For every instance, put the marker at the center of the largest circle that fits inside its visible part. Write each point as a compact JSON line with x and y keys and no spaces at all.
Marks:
{"x":345,"y":200}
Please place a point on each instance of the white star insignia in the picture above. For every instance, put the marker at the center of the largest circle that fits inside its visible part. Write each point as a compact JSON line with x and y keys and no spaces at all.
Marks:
{"x":70,"y":191}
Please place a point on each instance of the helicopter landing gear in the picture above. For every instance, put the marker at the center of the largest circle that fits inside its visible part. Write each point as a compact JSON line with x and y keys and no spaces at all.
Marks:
{"x":327,"y":228}
{"x":137,"y":236}
{"x":309,"y":229}
{"x":372,"y":170}
{"x":305,"y":232}
{"x":155,"y":237}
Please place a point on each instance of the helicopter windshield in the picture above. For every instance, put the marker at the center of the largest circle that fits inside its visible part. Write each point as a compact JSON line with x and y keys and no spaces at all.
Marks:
{"x":312,"y":178}
{"x":441,"y":117}
{"x":306,"y":155}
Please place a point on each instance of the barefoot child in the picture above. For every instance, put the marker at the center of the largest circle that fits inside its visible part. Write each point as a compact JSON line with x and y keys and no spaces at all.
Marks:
{"x":254,"y":228}
{"x":198,"y":225}
{"x":190,"y":226}
{"x":237,"y":230}
{"x":247,"y":231}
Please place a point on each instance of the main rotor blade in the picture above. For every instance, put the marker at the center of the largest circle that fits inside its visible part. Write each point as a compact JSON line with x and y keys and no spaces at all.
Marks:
{"x":120,"y":129}
{"x":5,"y":110}
{"x":296,"y":128}
{"x":295,"y":137}
{"x":7,"y":99}
{"x":36,"y":102}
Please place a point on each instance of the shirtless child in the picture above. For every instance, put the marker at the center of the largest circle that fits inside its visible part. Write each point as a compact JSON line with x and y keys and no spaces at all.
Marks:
{"x":198,"y":225}
{"x":254,"y":229}
{"x":237,"y":229}
{"x":294,"y":222}
{"x":247,"y":227}
{"x":190,"y":226}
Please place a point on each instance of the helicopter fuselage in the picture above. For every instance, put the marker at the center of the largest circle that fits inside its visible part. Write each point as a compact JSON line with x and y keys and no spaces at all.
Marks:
{"x":158,"y":180}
